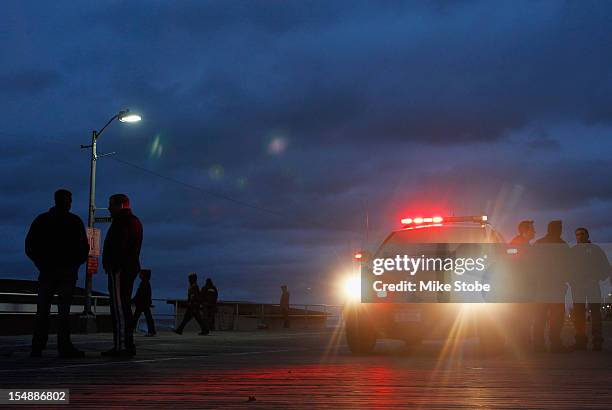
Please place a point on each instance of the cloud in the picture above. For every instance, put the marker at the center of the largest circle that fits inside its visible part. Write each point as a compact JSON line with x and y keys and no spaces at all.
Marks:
{"x":399,"y":79}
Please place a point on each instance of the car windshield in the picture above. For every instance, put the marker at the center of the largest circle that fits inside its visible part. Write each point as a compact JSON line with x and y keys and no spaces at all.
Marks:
{"x":456,"y":240}
{"x":414,"y":239}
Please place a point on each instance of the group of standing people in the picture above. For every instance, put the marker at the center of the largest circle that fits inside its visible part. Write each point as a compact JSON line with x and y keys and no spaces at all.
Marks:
{"x":57,"y":244}
{"x":200,"y":300}
{"x":557,"y":264}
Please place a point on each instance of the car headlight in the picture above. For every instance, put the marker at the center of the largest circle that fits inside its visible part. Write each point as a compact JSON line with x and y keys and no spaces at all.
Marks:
{"x":351,"y":288}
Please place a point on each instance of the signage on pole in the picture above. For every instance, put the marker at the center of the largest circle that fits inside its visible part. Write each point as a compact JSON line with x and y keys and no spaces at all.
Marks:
{"x":103,"y":219}
{"x":92,"y":265}
{"x":93,"y":236}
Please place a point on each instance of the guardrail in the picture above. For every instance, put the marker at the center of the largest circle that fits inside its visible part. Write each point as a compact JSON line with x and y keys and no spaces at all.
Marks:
{"x":332,"y":313}
{"x":95,"y":298}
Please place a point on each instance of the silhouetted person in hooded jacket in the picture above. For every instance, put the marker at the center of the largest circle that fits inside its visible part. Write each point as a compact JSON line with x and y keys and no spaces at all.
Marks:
{"x":552,"y":258}
{"x":57,"y":244}
{"x":143,"y":301}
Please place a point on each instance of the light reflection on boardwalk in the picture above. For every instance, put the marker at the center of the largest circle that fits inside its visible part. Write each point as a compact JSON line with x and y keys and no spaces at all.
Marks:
{"x":296,"y":369}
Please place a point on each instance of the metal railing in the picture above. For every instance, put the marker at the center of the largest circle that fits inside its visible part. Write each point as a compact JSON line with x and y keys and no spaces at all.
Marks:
{"x":35,"y":295}
{"x":331,"y":313}
{"x":262,"y":311}
{"x":312,"y":311}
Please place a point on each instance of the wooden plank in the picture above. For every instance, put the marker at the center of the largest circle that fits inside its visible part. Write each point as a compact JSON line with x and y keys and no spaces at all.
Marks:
{"x":297,"y":369}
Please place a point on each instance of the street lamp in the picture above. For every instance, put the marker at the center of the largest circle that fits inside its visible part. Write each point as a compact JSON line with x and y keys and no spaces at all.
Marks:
{"x":123,"y":116}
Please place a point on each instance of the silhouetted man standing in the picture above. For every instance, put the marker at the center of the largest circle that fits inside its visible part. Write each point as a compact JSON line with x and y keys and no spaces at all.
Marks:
{"x":121,"y":261}
{"x":590,"y":265}
{"x":284,"y":305}
{"x":57,"y":244}
{"x":143,"y":301}
{"x":553,"y":255}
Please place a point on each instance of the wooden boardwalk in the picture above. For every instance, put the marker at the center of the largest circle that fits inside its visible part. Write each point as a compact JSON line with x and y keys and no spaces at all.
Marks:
{"x":298,"y":369}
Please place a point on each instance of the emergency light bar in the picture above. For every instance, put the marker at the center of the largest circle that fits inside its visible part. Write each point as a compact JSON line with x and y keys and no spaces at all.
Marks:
{"x":438,"y":219}
{"x":420,"y":220}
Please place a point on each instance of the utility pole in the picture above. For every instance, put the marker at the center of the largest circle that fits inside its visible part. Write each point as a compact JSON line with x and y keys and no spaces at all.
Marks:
{"x":123,"y":116}
{"x":91,"y":214}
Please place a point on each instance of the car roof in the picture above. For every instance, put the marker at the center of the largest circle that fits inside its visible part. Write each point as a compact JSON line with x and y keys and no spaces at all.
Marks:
{"x":464,"y":232}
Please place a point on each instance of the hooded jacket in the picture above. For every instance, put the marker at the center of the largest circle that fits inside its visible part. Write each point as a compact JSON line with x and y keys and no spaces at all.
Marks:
{"x":209,"y":295}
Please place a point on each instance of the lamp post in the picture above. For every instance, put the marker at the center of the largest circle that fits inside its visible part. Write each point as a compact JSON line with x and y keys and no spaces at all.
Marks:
{"x":123,"y":116}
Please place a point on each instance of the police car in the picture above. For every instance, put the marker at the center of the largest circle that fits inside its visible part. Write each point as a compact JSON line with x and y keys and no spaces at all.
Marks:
{"x":374,"y":316}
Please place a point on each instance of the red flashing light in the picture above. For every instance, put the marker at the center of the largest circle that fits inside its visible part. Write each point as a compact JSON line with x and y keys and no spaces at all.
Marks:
{"x":419,"y":220}
{"x":358,"y":256}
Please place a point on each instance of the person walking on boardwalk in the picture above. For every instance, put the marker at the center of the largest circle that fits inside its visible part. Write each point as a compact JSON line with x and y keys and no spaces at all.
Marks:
{"x":284,"y":305}
{"x":57,"y":244}
{"x":590,"y":265}
{"x":143,"y":302}
{"x":193,"y":307}
{"x":209,"y":295}
{"x":121,"y":262}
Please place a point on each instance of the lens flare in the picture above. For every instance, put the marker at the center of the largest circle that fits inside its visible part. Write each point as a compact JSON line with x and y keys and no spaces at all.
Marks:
{"x":241,"y":183}
{"x":277,"y":146}
{"x":216,"y":172}
{"x":157,"y":147}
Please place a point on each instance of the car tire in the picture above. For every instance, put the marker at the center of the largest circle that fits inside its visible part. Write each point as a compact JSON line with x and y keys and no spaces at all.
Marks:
{"x":360,"y":335}
{"x":490,"y":341}
{"x":413,"y":341}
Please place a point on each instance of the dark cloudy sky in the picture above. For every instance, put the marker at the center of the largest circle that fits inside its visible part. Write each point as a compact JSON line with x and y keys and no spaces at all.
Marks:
{"x":305,"y":115}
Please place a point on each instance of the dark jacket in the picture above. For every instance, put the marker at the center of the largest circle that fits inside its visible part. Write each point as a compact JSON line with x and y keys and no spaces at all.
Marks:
{"x":122,"y":244}
{"x":209,"y":296}
{"x":193,"y":296}
{"x":551,"y":260}
{"x":57,"y":243}
{"x":142,"y":298}
{"x":589,"y":266}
